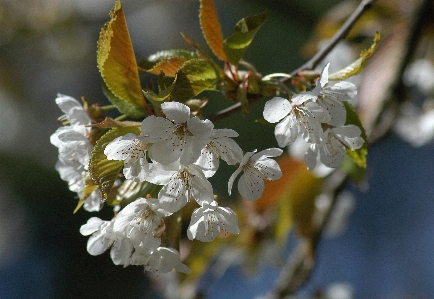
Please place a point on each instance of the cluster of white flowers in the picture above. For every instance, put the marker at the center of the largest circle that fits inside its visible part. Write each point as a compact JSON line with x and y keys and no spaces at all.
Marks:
{"x":319,"y":117}
{"x":75,"y":149}
{"x":178,"y":152}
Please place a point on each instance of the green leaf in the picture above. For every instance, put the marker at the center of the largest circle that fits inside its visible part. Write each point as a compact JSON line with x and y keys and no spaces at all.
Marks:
{"x":104,"y":172}
{"x":89,"y":188}
{"x":211,"y":28}
{"x":357,"y":66}
{"x":123,"y":106}
{"x":358,"y":155}
{"x":236,"y":45}
{"x":166,"y":61}
{"x":117,"y":62}
{"x":195,"y":76}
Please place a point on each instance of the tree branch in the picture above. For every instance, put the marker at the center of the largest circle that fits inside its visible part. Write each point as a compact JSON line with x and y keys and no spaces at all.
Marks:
{"x":311,"y":64}
{"x":339,"y":35}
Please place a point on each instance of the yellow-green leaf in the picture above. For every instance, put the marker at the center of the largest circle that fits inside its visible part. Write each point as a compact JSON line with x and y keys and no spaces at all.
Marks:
{"x":123,"y":106}
{"x":89,"y":188}
{"x":168,"y":61}
{"x":195,"y":76}
{"x":211,"y":28}
{"x":236,"y":45}
{"x":357,"y":66}
{"x":117,"y":62}
{"x":103,"y":171}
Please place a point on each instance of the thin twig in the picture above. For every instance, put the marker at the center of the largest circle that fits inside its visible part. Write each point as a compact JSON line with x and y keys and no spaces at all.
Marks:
{"x":309,"y":65}
{"x":339,"y":35}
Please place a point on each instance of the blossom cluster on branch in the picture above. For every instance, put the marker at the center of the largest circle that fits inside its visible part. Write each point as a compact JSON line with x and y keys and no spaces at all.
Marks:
{"x":150,"y":170}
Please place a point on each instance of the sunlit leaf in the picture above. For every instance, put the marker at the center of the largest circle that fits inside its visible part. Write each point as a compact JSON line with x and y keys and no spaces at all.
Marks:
{"x":103,"y":171}
{"x":166,"y":61}
{"x":89,"y":188}
{"x":195,"y":76}
{"x":236,"y":45}
{"x":111,"y":123}
{"x":358,"y":155}
{"x":357,"y":66}
{"x":117,"y":62}
{"x":211,"y":28}
{"x":123,"y":106}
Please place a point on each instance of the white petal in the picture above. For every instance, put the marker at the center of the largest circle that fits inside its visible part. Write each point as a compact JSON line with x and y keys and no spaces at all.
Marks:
{"x":325,"y":75}
{"x":164,"y":260}
{"x":121,"y":251}
{"x":342,"y":91}
{"x":336,"y":110}
{"x":201,"y":189}
{"x":66,"y":103}
{"x":232,"y":179}
{"x":276,"y":109}
{"x":303,"y":97}
{"x":160,"y":174}
{"x":167,"y":151}
{"x":217,"y":133}
{"x":176,"y":112}
{"x":191,"y":149}
{"x":286,"y":131}
{"x":122,"y":148}
{"x":251,"y":185}
{"x":201,"y":129}
{"x":98,"y":243}
{"x":269,"y":152}
{"x":92,"y":225}
{"x":208,"y":162}
{"x":137,"y":170}
{"x":350,"y":136}
{"x":228,"y":150}
{"x":157,"y":128}
{"x":269,"y":168}
{"x":172,"y":196}
{"x":332,"y":153}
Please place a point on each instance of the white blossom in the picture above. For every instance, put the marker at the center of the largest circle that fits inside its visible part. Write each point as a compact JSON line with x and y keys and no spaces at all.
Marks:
{"x":103,"y":237}
{"x":331,"y":97}
{"x":221,"y":146}
{"x":178,"y":136}
{"x":75,"y":149}
{"x":141,"y":222}
{"x":331,"y":150}
{"x":298,"y":117}
{"x":164,"y":260}
{"x":131,"y":149}
{"x":210,"y":219}
{"x":181,"y":184}
{"x":257,"y":167}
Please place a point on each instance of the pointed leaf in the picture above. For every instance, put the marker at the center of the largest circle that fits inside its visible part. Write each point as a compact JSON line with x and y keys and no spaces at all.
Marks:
{"x":89,"y":188}
{"x":195,"y":76}
{"x":123,"y":106}
{"x":236,"y":45}
{"x":103,"y":171}
{"x":117,"y":62}
{"x":358,"y":155}
{"x":166,"y":61}
{"x":357,"y":66}
{"x":211,"y":28}
{"x":111,"y":123}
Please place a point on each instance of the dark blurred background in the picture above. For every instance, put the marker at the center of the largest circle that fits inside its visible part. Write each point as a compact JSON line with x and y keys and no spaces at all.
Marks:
{"x":49,"y":47}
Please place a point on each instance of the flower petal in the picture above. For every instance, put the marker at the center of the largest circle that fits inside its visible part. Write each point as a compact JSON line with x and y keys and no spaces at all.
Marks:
{"x":176,"y":112}
{"x":276,"y":109}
